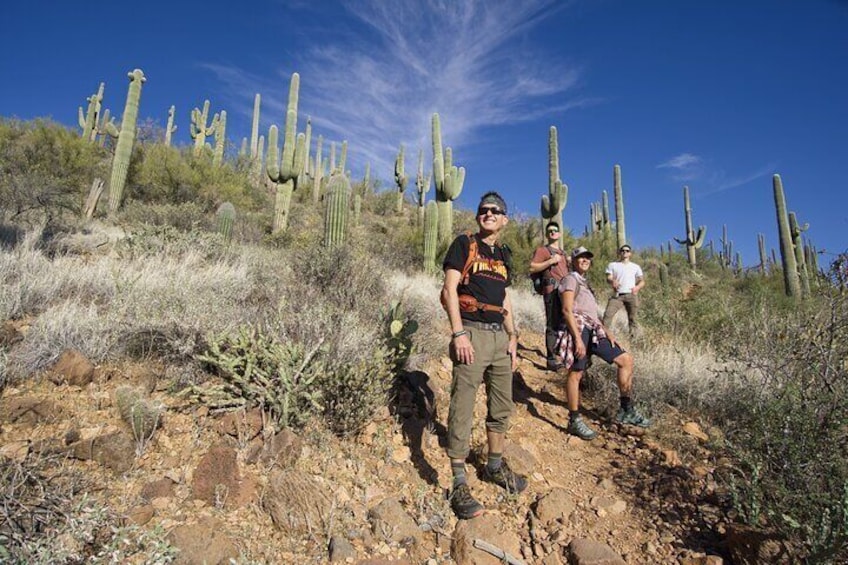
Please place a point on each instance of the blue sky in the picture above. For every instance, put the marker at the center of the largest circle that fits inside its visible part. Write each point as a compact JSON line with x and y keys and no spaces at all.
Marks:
{"x":715,"y":95}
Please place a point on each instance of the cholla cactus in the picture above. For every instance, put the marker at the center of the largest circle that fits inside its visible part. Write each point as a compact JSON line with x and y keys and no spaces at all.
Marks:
{"x":126,"y":140}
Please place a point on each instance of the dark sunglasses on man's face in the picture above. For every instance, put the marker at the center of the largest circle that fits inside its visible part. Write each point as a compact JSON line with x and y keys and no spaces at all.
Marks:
{"x":551,"y":232}
{"x":482,"y":211}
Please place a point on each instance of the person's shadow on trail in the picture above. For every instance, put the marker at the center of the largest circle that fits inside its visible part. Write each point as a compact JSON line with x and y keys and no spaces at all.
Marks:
{"x":522,"y":393}
{"x":415,"y":404}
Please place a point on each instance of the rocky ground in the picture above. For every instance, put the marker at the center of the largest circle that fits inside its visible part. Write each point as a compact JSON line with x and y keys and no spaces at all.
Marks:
{"x":223,"y":486}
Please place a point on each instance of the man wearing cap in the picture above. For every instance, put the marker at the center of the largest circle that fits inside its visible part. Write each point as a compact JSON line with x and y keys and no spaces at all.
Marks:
{"x":550,"y":260}
{"x":484,"y":345}
{"x":585,"y":335}
{"x":627,"y":280}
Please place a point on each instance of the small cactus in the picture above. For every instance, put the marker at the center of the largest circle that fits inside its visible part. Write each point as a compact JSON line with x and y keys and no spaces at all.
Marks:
{"x":142,"y":415}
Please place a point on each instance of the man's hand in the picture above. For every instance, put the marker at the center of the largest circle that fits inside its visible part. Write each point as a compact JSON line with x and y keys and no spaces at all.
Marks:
{"x":513,"y":351}
{"x":463,"y":349}
{"x":555,"y":258}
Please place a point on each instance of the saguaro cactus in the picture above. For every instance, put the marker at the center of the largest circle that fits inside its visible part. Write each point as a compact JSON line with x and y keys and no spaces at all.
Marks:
{"x":620,"y":235}
{"x":448,"y":179}
{"x":431,"y":235}
{"x":102,"y":129}
{"x":605,"y":217}
{"x":791,"y":281}
{"x":761,"y":244}
{"x":304,"y":173}
{"x":335,"y":216}
{"x":170,"y":128}
{"x":318,"y":173}
{"x":88,"y":122}
{"x":554,"y":202}
{"x":400,"y":180}
{"x":226,"y":216}
{"x":126,"y":139}
{"x":422,"y":185}
{"x":691,"y":241}
{"x":795,"y":229}
{"x":220,"y":139}
{"x":284,"y":171}
{"x":199,"y":129}
{"x":255,"y":152}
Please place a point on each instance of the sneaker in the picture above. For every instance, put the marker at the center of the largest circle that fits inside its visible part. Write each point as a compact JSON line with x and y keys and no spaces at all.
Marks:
{"x":463,"y":504}
{"x":632,"y":417}
{"x":505,"y":477}
{"x":577,"y":427}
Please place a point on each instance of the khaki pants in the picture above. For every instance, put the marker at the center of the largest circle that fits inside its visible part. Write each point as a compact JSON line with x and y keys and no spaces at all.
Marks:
{"x":492,"y":366}
{"x":629,"y":302}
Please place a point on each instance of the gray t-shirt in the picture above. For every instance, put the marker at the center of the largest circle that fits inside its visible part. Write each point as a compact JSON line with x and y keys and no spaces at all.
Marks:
{"x":584,"y":299}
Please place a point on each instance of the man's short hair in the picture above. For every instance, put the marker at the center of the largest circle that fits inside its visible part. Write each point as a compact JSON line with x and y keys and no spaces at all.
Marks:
{"x":625,"y":247}
{"x":551,"y":224}
{"x":493,"y":197}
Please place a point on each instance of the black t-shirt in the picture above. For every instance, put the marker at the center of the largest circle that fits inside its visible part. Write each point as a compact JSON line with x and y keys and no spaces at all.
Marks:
{"x":488,"y":277}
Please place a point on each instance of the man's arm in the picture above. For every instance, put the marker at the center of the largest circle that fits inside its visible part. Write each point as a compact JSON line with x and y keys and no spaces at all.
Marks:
{"x":640,"y":281}
{"x":511,"y":330}
{"x":539,"y":266}
{"x":450,"y":299}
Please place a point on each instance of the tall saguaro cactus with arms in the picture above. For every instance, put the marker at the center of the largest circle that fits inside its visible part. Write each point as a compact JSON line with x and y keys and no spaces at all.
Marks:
{"x":400,"y":180}
{"x":791,"y":280}
{"x":691,"y":241}
{"x":554,"y":202}
{"x":199,"y":129}
{"x":448,"y":179}
{"x":283,"y":171}
{"x":88,"y":122}
{"x":126,"y":139}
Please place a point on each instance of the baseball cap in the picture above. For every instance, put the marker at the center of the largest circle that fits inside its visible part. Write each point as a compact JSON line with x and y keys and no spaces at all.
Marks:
{"x":581,"y":251}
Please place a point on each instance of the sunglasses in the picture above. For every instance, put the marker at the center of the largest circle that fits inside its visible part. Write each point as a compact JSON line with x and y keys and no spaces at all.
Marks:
{"x":482,"y":211}
{"x":552,"y":231}
{"x":624,"y":251}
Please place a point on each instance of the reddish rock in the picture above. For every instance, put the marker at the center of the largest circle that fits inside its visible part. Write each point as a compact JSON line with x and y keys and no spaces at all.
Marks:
{"x":203,"y":543}
{"x":391,"y":518}
{"x":280,"y":451}
{"x":140,"y":515}
{"x":489,"y":528}
{"x":750,"y":546}
{"x":243,"y":426}
{"x":73,"y":368}
{"x":217,"y":480}
{"x":558,"y":504}
{"x":588,"y":552}
{"x":31,"y":411}
{"x":163,"y":488}
{"x":296,"y":503}
{"x":115,"y":451}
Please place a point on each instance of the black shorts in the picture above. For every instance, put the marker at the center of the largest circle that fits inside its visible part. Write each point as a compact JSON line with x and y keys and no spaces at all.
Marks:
{"x":603,"y":349}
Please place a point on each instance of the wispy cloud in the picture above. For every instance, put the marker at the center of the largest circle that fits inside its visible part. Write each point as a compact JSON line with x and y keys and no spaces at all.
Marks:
{"x":378,"y":81}
{"x":706,"y":178}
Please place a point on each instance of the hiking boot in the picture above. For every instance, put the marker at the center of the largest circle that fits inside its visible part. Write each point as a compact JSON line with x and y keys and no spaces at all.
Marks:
{"x":577,"y":427}
{"x":506,"y":478}
{"x":632,"y":418}
{"x":463,"y":504}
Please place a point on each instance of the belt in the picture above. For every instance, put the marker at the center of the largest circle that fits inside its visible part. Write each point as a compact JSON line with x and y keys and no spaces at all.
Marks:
{"x":488,"y":326}
{"x":624,"y":294}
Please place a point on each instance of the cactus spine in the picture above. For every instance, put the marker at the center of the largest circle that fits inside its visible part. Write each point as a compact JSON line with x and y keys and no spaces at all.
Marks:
{"x":284,"y":172}
{"x":431,"y":235}
{"x":400,"y":180}
{"x":620,"y":235}
{"x":220,"y":139}
{"x":226,"y":216}
{"x":170,"y":128}
{"x":335,"y":216}
{"x":554,"y":202}
{"x":126,"y":139}
{"x":795,"y":230}
{"x":199,"y":129}
{"x":255,"y":151}
{"x":422,"y":185}
{"x":692,"y":242}
{"x":791,"y":281}
{"x":449,"y":180}
{"x":88,"y":123}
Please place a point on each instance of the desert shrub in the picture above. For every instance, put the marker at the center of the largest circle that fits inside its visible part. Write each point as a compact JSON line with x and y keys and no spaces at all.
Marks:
{"x":786,"y":420}
{"x":184,"y":217}
{"x":149,"y":241}
{"x":164,"y":176}
{"x":45,"y":170}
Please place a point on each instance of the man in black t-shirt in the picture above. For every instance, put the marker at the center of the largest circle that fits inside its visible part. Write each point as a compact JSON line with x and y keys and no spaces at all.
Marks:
{"x":484,"y":346}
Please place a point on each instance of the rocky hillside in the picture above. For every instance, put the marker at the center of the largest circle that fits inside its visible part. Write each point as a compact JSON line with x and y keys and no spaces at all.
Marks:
{"x":208,"y":488}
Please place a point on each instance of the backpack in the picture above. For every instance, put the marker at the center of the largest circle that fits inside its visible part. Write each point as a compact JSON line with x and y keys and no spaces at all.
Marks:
{"x":541,"y":283}
{"x":468,"y":303}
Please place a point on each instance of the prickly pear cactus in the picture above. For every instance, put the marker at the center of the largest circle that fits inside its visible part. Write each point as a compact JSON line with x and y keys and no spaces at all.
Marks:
{"x":126,"y":139}
{"x":335,"y":216}
{"x":226,"y":216}
{"x":399,"y":331}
